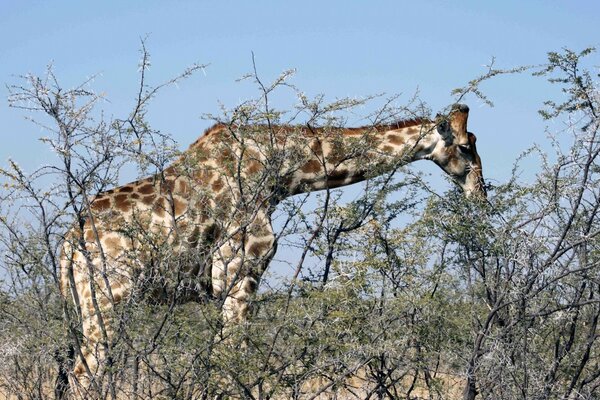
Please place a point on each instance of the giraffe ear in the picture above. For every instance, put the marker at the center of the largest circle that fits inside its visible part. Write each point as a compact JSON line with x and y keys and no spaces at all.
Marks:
{"x":458,"y":122}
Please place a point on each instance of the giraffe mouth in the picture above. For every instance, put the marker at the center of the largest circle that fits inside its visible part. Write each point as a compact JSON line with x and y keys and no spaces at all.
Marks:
{"x":474,"y":185}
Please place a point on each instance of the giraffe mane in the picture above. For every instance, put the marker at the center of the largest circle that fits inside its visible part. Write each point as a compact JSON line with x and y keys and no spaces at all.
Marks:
{"x":398,"y":124}
{"x":404,"y":123}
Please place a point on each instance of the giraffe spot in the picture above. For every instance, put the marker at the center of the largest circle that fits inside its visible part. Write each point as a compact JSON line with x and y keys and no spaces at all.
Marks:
{"x":112,"y":246}
{"x":79,"y":369}
{"x":199,"y":154}
{"x":179,"y":207}
{"x":217,"y":185}
{"x":260,"y":230}
{"x":203,"y":175}
{"x":101,"y":204}
{"x":223,"y":199}
{"x":311,"y":166}
{"x":147,"y":200}
{"x":105,"y":301}
{"x":117,"y":297}
{"x":281,"y":138}
{"x":253,"y":167}
{"x":182,"y":186}
{"x":252,"y":154}
{"x":197,"y":143}
{"x":122,"y":202}
{"x":90,"y":236}
{"x":134,"y":196}
{"x":159,"y":207}
{"x":182,"y":224}
{"x":340,"y":177}
{"x":250,"y":285}
{"x":125,"y":189}
{"x":388,"y":149}
{"x":259,"y":248}
{"x":414,"y":131}
{"x":336,"y":155}
{"x":317,"y":148}
{"x":146,"y":189}
{"x":226,"y":157}
{"x":237,"y":237}
{"x":93,"y":332}
{"x":78,"y":257}
{"x":168,"y":186}
{"x":395,"y":139}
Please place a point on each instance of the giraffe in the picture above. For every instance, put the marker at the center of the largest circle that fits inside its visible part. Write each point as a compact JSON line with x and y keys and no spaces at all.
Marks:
{"x":212,"y":210}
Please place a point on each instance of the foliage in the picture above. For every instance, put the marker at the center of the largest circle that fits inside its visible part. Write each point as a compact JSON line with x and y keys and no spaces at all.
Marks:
{"x":494,"y":299}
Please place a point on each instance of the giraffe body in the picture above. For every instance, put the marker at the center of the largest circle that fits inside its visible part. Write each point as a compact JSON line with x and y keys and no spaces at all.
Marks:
{"x":208,"y":215}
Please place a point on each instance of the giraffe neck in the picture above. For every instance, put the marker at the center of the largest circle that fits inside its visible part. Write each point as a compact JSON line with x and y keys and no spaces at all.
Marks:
{"x":347,"y":156}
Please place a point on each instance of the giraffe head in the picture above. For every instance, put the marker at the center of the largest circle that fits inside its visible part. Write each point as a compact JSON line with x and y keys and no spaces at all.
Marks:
{"x":456,"y":153}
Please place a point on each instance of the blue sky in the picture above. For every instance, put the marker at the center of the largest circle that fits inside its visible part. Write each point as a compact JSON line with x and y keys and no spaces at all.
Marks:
{"x":339,"y":48}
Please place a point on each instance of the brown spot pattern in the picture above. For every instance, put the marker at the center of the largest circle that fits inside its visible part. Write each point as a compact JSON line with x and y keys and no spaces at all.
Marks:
{"x":217,"y":185}
{"x":168,"y":186}
{"x":203,"y":175}
{"x":122,"y":202}
{"x":250,"y":285}
{"x":89,"y":235}
{"x":317,"y":148}
{"x":253,"y":167}
{"x":146,"y":189}
{"x":160,"y":206}
{"x":112,"y":246}
{"x":217,"y":147}
{"x":395,"y":139}
{"x":258,"y":249}
{"x":226,"y":157}
{"x":101,"y":204}
{"x":147,"y":200}
{"x":312,"y":166}
{"x":179,"y":206}
{"x":182,"y":186}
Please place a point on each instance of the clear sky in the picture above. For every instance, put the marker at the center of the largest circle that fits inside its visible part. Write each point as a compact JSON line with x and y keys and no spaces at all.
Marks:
{"x":339,"y":48}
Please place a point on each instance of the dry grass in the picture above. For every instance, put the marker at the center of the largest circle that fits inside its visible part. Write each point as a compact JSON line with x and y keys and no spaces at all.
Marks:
{"x":357,"y":387}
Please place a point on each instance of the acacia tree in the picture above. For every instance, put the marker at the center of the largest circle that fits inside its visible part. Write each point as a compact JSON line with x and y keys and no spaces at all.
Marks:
{"x":527,"y":262}
{"x":494,"y":300}
{"x":154,"y":349}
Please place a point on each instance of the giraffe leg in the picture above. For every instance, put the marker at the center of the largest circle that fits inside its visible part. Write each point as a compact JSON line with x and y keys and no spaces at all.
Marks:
{"x":98,"y":332}
{"x":238,"y":266}
{"x":92,"y":353}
